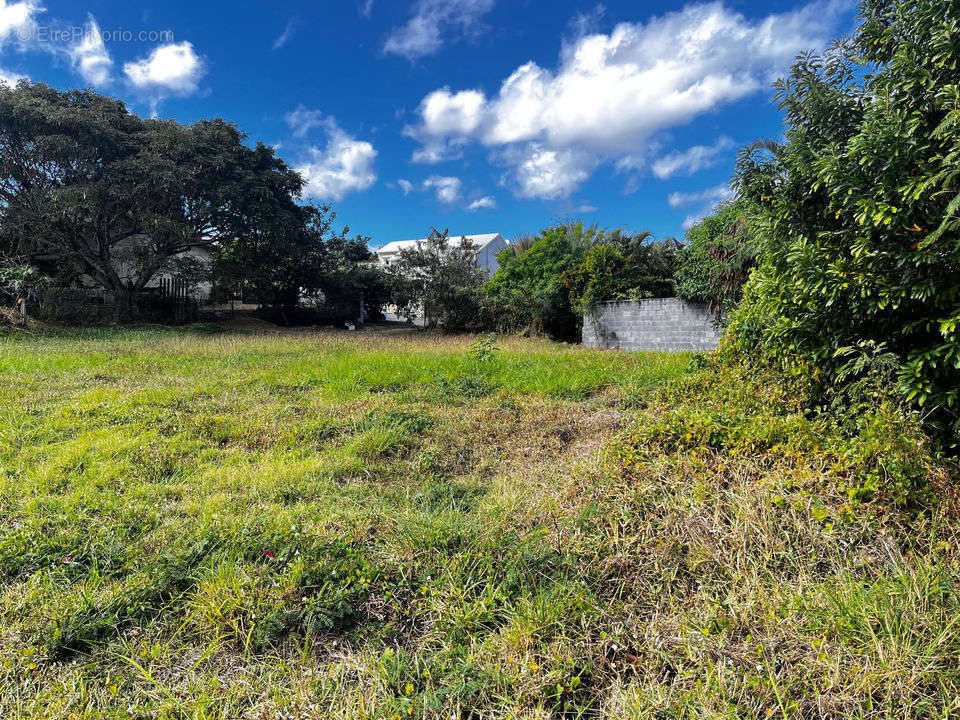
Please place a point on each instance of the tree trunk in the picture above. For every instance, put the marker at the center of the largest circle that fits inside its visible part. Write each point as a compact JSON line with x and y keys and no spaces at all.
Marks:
{"x":22,"y":302}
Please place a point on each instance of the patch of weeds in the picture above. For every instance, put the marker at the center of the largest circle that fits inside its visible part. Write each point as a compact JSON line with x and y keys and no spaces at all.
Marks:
{"x":219,"y":429}
{"x":430,"y":685}
{"x":483,"y":350}
{"x":331,"y":584}
{"x":316,"y":431}
{"x":289,"y":390}
{"x":698,"y":361}
{"x":415,"y":421}
{"x":441,"y":494}
{"x":386,"y":388}
{"x":383,"y":433}
{"x":575,"y":394}
{"x":633,"y":398}
{"x":566,"y":685}
{"x":155,"y":464}
{"x":205,"y":328}
{"x":70,"y":549}
{"x":882,"y":453}
{"x":163,"y":583}
{"x":472,"y":385}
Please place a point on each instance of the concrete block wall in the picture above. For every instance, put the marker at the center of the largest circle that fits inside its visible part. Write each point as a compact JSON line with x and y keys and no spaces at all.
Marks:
{"x":664,"y":324}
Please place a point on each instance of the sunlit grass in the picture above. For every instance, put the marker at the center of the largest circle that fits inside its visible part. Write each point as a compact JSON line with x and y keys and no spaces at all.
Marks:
{"x":175,"y":500}
{"x":197,"y":524}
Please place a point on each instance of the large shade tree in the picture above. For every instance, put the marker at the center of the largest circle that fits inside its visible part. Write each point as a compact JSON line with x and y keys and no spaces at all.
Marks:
{"x":858,"y":215}
{"x":299,"y":255}
{"x":88,"y":189}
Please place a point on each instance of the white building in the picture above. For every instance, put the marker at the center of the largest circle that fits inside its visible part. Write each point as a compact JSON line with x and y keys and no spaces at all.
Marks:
{"x":195,"y":263}
{"x":487,"y":247}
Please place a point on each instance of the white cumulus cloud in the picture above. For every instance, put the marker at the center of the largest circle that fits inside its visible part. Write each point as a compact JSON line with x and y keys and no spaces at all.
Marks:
{"x":301,"y":121}
{"x":432,"y":22}
{"x":17,"y":18}
{"x":406,"y":186}
{"x":174,"y":69}
{"x":542,"y":172}
{"x":89,"y":56}
{"x":447,"y":188}
{"x":611,"y":93}
{"x":690,"y":160}
{"x":452,"y":118}
{"x":8,"y":78}
{"x":708,"y":200}
{"x":714,"y":194}
{"x":345,"y":165}
{"x":484,"y":203}
{"x":17,"y":23}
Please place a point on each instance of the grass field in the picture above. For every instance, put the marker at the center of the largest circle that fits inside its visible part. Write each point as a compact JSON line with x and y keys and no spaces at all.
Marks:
{"x":236,"y":525}
{"x":197,"y":524}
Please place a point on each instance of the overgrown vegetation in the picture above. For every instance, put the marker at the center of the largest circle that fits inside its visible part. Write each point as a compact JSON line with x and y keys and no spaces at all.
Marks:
{"x":207,"y":524}
{"x":439,"y":282}
{"x":544,"y":283}
{"x":717,"y":258}
{"x":319,"y":525}
{"x":858,"y":213}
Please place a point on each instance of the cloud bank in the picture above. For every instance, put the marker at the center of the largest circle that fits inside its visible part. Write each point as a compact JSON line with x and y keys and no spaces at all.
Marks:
{"x":611,"y":93}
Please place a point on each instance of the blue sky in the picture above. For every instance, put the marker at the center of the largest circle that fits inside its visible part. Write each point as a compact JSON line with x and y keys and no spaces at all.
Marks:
{"x":473,"y":115}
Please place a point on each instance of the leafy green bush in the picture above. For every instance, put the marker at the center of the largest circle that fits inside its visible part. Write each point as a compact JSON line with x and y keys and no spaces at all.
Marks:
{"x":623,"y":267}
{"x":717,"y":258}
{"x":528,"y":290}
{"x":544,"y":284}
{"x":857,"y":214}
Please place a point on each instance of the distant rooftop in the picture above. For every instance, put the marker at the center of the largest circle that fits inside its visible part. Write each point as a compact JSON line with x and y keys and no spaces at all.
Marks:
{"x":453,"y":241}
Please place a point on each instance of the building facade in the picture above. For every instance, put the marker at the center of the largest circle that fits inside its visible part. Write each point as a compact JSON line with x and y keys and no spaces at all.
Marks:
{"x":487,"y":247}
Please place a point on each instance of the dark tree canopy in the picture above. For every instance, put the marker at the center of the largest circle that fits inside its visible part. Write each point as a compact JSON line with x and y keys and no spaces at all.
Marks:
{"x":89,"y":190}
{"x":298,"y":255}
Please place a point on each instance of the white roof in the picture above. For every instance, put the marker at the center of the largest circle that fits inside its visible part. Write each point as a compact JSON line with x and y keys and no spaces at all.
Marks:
{"x":481,"y":241}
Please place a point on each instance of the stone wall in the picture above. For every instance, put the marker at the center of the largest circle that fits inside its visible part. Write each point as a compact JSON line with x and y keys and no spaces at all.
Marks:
{"x":665,"y":324}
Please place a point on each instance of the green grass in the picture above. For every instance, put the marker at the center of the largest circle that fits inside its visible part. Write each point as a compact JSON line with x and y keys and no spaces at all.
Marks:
{"x":201,"y":524}
{"x":358,"y":525}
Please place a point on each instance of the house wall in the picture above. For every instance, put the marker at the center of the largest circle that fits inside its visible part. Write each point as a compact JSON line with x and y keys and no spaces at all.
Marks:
{"x":487,"y":257}
{"x":199,"y":292}
{"x":662,"y":324}
{"x":126,"y":268}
